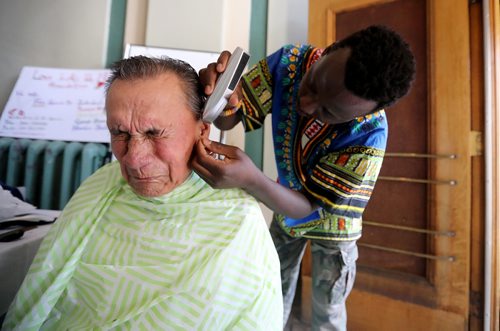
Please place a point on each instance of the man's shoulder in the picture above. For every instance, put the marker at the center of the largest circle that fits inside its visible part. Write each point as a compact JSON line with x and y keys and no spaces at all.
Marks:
{"x":296,"y":56}
{"x":235,"y":196}
{"x":369,"y":131}
{"x":296,"y":49}
{"x":297,"y":46}
{"x":214,"y":196}
{"x":236,"y":205}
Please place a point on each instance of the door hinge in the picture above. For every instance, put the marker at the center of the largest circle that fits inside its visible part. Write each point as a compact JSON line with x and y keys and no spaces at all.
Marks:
{"x":476,"y":143}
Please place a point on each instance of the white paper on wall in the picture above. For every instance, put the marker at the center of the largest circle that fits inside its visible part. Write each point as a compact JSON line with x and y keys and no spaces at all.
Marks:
{"x":57,"y":104}
{"x":197,"y":59}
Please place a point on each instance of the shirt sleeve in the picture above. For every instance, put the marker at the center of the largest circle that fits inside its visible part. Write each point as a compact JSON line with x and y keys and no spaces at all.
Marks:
{"x":258,"y":84}
{"x":342,"y":182}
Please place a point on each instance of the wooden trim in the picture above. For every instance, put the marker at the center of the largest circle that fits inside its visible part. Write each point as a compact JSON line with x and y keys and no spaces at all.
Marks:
{"x":478,"y":179}
{"x":451,"y":113}
{"x":330,"y":32}
{"x":494,"y":25}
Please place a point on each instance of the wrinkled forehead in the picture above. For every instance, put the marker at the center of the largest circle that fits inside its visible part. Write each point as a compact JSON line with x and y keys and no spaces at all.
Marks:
{"x":161,"y":94}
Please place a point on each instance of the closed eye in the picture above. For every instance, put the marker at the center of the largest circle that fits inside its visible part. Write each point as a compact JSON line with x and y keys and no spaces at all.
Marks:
{"x":154,"y":133}
{"x":119,"y":134}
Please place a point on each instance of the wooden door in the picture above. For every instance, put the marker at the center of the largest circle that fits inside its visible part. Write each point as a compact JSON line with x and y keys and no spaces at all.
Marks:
{"x":414,"y":265}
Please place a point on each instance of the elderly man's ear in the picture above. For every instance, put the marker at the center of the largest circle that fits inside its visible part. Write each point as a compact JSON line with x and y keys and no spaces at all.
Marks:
{"x":204,"y":130}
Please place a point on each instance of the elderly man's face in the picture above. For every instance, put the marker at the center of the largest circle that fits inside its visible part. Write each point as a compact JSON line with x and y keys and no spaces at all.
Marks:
{"x":153,"y":132}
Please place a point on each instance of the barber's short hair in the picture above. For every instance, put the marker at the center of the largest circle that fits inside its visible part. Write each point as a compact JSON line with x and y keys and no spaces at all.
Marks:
{"x":381,"y":66}
{"x":143,"y":67}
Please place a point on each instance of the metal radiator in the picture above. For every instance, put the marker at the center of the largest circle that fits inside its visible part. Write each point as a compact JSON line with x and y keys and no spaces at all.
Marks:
{"x":50,"y":171}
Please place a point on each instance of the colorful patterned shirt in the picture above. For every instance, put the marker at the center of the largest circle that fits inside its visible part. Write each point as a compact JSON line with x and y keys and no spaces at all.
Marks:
{"x":194,"y":259}
{"x":334,"y":165}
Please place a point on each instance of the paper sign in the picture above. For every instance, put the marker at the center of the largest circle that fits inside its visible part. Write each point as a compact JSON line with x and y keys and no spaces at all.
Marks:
{"x":57,"y":104}
{"x":197,"y":59}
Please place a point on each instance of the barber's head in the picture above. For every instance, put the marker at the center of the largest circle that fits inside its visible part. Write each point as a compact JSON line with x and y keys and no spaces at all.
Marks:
{"x":153,"y":109}
{"x":367,"y":71}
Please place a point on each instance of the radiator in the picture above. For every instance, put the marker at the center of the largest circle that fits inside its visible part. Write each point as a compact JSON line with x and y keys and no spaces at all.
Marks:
{"x":50,"y":171}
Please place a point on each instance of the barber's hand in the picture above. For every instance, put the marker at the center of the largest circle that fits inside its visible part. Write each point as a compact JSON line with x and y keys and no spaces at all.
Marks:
{"x":209,"y":75}
{"x":236,"y":169}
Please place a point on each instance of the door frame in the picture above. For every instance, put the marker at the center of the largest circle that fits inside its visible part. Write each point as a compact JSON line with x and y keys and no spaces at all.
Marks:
{"x":491,"y":12}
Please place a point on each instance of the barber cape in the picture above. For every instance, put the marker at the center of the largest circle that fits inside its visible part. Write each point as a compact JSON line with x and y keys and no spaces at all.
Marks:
{"x":194,"y":259}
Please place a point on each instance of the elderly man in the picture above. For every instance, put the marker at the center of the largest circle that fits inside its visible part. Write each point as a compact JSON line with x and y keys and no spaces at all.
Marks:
{"x":145,"y":244}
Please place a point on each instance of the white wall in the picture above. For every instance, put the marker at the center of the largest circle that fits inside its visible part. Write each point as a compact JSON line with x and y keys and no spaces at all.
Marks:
{"x":207,"y":25}
{"x":287,"y":23}
{"x":187,"y":24}
{"x":51,"y":33}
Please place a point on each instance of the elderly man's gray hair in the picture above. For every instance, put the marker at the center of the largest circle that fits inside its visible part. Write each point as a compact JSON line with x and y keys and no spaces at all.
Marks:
{"x":143,"y":67}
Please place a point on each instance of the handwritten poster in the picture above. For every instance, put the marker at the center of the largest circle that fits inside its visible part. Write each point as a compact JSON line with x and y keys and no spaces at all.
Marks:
{"x":57,"y":104}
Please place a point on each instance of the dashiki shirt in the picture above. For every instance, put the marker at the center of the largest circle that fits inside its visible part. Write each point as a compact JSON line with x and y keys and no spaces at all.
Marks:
{"x":194,"y":259}
{"x":336,"y":166}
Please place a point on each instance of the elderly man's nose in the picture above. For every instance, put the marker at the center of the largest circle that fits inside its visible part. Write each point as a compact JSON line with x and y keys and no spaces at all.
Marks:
{"x":137,"y":152}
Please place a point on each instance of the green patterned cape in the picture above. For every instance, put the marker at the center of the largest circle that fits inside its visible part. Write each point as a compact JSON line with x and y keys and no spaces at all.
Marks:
{"x":194,"y":259}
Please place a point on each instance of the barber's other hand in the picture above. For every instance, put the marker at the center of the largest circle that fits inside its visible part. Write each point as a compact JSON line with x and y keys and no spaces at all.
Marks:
{"x":236,"y":169}
{"x":209,"y":75}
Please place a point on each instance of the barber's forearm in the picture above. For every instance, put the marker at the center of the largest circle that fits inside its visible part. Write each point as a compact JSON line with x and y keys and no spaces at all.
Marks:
{"x":280,"y":199}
